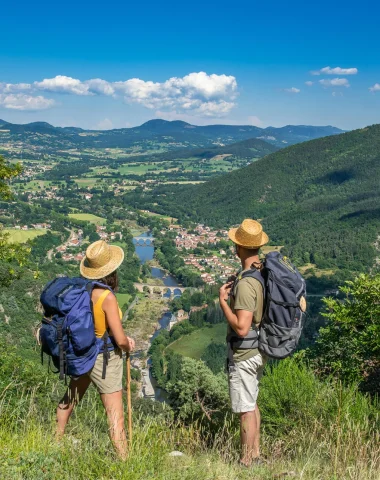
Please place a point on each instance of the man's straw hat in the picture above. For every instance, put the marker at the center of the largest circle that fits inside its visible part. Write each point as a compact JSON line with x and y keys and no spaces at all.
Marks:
{"x":101,"y":259}
{"x":249,"y":234}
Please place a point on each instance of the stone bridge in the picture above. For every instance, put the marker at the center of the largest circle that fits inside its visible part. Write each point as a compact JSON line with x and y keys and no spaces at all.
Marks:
{"x":144,"y":241}
{"x":162,"y":289}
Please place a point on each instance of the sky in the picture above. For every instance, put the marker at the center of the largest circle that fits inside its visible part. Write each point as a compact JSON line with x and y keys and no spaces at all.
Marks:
{"x":116,"y":64}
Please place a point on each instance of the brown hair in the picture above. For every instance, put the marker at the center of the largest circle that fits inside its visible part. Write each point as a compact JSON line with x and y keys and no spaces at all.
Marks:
{"x":111,"y":280}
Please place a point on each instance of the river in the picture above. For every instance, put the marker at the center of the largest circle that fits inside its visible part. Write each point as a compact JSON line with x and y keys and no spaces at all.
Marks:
{"x":146,"y":253}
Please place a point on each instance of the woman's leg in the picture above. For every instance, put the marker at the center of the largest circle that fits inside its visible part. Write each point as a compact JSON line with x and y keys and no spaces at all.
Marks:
{"x":74,"y":394}
{"x":113,"y":404}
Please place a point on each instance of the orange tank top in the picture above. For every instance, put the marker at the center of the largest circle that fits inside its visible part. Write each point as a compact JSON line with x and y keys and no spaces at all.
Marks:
{"x":100,"y":321}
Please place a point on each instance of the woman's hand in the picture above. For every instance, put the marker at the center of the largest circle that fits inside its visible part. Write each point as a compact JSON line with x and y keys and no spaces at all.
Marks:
{"x":131,"y":344}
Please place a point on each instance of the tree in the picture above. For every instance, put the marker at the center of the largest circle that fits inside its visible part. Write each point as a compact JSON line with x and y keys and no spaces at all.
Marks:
{"x":10,"y":253}
{"x":349,"y":345}
{"x":7,"y":172}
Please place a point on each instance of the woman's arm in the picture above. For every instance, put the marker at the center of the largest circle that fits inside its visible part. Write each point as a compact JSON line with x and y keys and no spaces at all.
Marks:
{"x":111,"y":309}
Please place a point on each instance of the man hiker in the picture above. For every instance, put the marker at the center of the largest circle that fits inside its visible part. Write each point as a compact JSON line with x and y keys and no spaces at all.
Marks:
{"x":245,"y":362}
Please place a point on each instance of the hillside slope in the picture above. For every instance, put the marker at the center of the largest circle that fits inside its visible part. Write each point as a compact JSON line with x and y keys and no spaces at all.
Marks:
{"x":319,"y":198}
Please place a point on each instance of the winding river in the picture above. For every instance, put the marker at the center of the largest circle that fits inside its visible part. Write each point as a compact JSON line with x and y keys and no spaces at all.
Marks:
{"x":145,"y":254}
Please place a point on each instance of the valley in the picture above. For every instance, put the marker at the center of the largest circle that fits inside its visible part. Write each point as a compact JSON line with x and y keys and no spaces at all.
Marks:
{"x":169,"y":205}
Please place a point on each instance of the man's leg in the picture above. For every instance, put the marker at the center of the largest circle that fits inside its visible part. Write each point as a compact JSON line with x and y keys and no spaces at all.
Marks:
{"x":257,"y":436}
{"x":74,"y":394}
{"x":248,"y":433}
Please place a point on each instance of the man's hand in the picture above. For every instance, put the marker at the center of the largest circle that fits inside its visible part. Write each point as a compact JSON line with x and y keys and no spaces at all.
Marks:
{"x":225,"y":291}
{"x":131,"y":344}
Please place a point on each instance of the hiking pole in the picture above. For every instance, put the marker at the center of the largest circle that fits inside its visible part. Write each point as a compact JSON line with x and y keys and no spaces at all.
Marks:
{"x":129,"y":401}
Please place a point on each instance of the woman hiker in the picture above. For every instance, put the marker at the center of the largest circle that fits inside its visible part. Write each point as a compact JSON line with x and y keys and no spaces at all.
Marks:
{"x":101,"y":263}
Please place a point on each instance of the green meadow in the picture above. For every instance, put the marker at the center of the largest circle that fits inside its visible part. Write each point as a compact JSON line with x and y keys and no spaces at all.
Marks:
{"x":195,"y":344}
{"x":88,"y":217}
{"x":22,"y":236}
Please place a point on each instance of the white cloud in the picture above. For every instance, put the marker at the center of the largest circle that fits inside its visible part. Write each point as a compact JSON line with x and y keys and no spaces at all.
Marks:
{"x":337,"y":94}
{"x":375,"y":88}
{"x":63,"y":84}
{"x":254,"y":121}
{"x":14,"y":87}
{"x":197,"y":93}
{"x":309,"y":83}
{"x":105,"y":124}
{"x":335,"y":71}
{"x":292,"y":90}
{"x":335,"y":82}
{"x":20,"y":101}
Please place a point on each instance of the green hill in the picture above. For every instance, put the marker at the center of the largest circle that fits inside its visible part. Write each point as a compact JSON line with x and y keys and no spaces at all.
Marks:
{"x":320,"y":199}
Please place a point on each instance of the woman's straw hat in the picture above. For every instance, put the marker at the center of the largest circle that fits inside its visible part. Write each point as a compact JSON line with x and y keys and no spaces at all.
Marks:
{"x":249,"y":234}
{"x":101,"y":259}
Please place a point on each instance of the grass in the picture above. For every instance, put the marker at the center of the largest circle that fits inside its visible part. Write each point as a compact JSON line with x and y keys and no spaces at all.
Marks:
{"x":340,"y":444}
{"x":22,"y":236}
{"x":195,"y":344}
{"x":86,"y":181}
{"x":318,"y":272}
{"x":123,"y":298}
{"x":88,"y":217}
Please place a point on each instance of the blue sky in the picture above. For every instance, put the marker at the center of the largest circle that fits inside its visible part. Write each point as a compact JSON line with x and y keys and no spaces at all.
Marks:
{"x":242,"y":62}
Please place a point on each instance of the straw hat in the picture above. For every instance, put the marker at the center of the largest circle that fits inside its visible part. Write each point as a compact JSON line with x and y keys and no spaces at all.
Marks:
{"x":249,"y":234}
{"x":101,"y":259}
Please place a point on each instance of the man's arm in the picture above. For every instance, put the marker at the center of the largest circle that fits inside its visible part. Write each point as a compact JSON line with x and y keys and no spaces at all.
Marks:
{"x":241,"y":321}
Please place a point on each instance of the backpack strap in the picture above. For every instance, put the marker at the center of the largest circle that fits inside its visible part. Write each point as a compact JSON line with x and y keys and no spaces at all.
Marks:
{"x":61,"y":352}
{"x":106,"y":336}
{"x":250,"y":341}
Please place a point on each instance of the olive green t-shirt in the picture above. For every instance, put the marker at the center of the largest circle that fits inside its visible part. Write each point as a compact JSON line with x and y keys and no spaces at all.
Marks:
{"x":248,"y":295}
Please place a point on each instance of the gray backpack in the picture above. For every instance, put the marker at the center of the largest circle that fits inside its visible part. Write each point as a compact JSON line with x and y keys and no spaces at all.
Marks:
{"x":284,"y":311}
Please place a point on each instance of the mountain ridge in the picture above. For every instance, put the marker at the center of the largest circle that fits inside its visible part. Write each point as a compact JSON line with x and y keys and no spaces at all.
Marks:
{"x":169,"y":132}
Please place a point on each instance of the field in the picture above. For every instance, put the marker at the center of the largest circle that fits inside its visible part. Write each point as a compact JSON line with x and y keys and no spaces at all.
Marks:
{"x":86,"y":181}
{"x":195,"y":344}
{"x":22,"y":236}
{"x":122,"y":299}
{"x":88,"y":217}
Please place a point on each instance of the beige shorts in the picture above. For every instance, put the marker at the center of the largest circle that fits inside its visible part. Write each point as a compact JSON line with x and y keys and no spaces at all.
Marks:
{"x":243,"y":379}
{"x":114,"y":373}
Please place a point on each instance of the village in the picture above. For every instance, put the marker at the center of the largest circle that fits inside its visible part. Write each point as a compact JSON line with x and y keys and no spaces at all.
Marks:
{"x":214,"y":264}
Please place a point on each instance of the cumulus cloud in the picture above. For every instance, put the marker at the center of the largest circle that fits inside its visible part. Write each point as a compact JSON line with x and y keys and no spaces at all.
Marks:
{"x":14,"y":87}
{"x":292,"y":90}
{"x":197,"y":93}
{"x":309,"y":83}
{"x":375,"y":88}
{"x":63,"y":84}
{"x":335,"y":71}
{"x":335,"y":82}
{"x":20,"y":101}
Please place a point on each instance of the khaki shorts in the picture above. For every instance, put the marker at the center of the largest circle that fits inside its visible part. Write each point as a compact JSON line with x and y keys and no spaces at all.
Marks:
{"x":114,"y":373}
{"x":243,"y":379}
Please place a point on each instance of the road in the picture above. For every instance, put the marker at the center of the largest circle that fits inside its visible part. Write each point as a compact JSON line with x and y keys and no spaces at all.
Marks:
{"x":50,"y":252}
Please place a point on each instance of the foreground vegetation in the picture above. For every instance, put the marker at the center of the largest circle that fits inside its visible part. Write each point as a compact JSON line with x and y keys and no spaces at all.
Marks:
{"x":312,"y":429}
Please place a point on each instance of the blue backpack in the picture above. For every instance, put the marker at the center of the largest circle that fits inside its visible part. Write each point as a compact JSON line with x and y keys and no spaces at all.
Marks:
{"x":284,"y":312}
{"x":67,"y":333}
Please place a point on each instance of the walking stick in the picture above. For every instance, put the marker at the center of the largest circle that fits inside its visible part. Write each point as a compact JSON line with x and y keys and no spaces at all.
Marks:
{"x":129,"y":401}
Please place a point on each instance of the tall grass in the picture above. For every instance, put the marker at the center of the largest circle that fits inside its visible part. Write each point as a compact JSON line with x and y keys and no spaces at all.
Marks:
{"x":311,"y":430}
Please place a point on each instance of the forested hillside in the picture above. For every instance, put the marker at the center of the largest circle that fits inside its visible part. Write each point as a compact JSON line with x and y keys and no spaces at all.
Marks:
{"x":320,"y":199}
